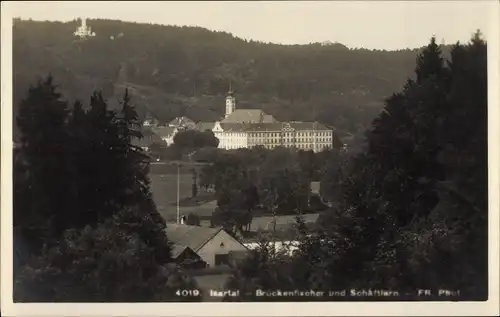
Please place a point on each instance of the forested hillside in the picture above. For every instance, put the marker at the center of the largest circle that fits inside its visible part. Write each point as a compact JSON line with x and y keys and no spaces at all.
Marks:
{"x":187,"y":70}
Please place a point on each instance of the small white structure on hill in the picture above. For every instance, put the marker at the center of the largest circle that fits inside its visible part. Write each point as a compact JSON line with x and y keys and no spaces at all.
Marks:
{"x":84,"y":31}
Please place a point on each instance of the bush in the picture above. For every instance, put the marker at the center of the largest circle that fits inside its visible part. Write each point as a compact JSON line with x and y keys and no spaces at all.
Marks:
{"x":117,"y":261}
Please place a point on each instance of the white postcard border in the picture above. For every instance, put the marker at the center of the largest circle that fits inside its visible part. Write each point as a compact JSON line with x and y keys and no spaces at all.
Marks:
{"x":489,"y":307}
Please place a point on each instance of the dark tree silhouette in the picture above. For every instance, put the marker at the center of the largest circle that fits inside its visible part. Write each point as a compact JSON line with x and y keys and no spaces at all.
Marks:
{"x":82,"y":205}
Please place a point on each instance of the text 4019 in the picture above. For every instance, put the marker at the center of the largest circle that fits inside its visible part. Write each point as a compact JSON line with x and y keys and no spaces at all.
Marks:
{"x":188,"y":292}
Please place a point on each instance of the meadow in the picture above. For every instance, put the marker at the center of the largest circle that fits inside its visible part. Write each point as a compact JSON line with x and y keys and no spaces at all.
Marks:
{"x":164,"y":189}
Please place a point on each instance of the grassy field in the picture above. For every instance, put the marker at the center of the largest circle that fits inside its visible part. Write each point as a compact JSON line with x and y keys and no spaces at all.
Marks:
{"x":164,"y":190}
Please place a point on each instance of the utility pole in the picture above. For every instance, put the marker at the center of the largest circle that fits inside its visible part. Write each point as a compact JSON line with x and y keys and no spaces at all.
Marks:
{"x":178,"y":164}
{"x":178,"y":193}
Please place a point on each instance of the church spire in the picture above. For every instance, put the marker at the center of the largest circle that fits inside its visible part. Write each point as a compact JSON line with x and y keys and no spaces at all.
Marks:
{"x":230,"y":101}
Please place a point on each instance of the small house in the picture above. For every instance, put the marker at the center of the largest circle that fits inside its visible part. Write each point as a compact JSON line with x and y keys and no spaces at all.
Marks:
{"x":166,"y":133}
{"x":182,"y":122}
{"x":187,"y":258}
{"x":212,"y":245}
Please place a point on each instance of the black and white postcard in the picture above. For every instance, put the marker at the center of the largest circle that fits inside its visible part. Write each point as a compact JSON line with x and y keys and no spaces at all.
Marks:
{"x":250,"y":158}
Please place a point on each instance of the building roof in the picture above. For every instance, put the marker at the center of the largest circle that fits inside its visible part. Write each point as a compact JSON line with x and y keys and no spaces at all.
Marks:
{"x":201,"y":210}
{"x":146,"y":140}
{"x":203,"y":126}
{"x":282,"y":222}
{"x":267,"y":118}
{"x":308,"y":126}
{"x":193,"y":237}
{"x":180,"y":121}
{"x":148,"y":116}
{"x":235,"y":127}
{"x":163,"y":131}
{"x":177,"y":250}
{"x":248,"y":116}
{"x":271,"y":127}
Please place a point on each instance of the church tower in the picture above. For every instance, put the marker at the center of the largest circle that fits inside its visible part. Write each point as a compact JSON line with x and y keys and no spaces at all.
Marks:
{"x":230,"y":102}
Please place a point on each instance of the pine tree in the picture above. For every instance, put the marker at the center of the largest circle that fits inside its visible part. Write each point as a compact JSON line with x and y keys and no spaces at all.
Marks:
{"x":82,"y":198}
{"x":464,"y":193}
{"x":78,"y":150}
{"x":42,"y":200}
{"x":134,"y":161}
{"x":391,"y":185}
{"x":404,"y":147}
{"x":101,"y":166}
{"x":430,"y":62}
{"x":132,"y":173}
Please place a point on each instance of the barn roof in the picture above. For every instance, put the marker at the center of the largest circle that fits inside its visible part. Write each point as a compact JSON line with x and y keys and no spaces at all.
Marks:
{"x":193,"y":237}
{"x":282,"y":222}
{"x":177,"y":250}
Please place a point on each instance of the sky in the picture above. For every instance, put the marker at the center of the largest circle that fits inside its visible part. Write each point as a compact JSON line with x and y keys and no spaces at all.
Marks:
{"x":370,"y":24}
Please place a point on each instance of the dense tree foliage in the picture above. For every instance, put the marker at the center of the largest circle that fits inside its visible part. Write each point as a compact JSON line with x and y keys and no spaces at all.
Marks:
{"x":263,"y":181}
{"x":407,"y":214}
{"x":403,"y":199}
{"x":83,"y":207}
{"x":178,"y":71}
{"x":108,"y":263}
{"x":42,"y":188}
{"x":193,"y":219}
{"x":191,"y":140}
{"x":158,"y":150}
{"x":283,"y":185}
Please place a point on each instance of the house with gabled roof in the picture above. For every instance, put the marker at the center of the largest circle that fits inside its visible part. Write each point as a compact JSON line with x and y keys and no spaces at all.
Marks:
{"x":149,"y":119}
{"x":148,"y":138}
{"x":212,"y":245}
{"x":187,"y":258}
{"x":183,"y":123}
{"x":166,"y":133}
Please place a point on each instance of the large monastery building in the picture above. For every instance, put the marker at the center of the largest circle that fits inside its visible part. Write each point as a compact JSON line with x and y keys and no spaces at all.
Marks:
{"x":246,"y":128}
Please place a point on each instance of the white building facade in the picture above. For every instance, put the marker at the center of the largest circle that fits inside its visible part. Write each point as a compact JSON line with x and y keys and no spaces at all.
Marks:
{"x":84,"y":31}
{"x":230,"y":137}
{"x":246,"y":128}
